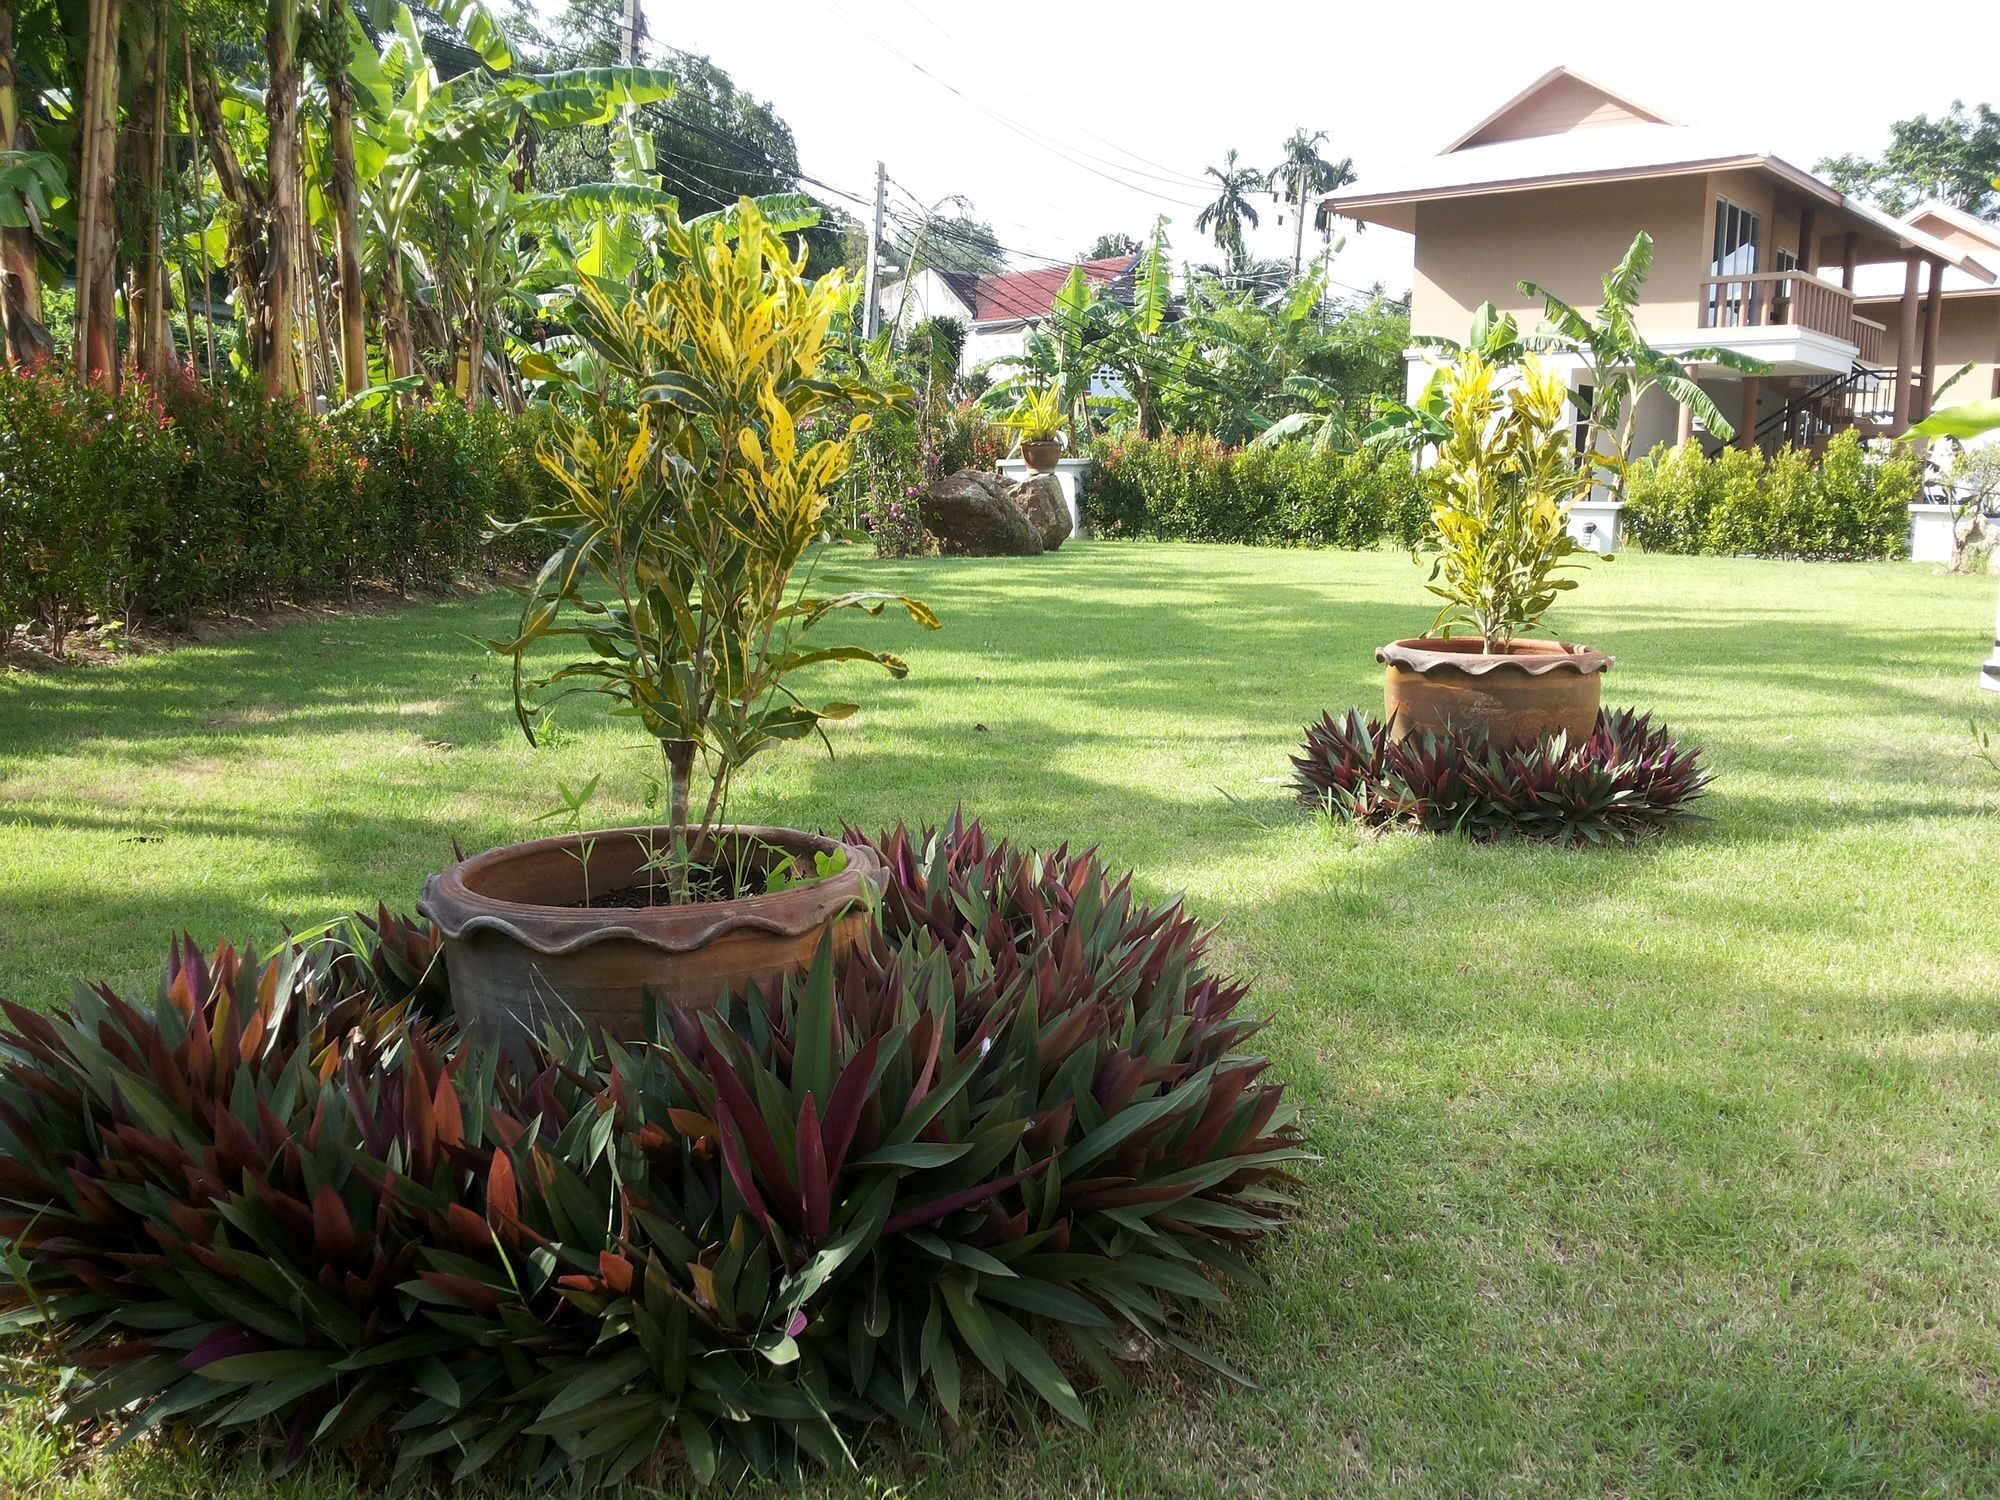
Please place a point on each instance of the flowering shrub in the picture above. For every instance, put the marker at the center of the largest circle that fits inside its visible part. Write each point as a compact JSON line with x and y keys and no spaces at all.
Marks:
{"x":898,"y":527}
{"x":163,"y":499}
{"x":1850,"y":504}
{"x":963,"y":437}
{"x":1015,"y":1134}
{"x":905,"y":451}
{"x":1180,"y":487}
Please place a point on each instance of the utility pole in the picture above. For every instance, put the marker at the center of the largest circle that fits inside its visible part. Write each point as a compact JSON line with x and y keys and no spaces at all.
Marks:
{"x":871,"y":313}
{"x":630,"y":20}
{"x":1299,"y":229}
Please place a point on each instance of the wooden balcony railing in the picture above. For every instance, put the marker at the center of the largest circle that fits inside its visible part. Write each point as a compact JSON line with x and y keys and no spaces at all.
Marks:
{"x":1773,"y":299}
{"x":1868,"y":339}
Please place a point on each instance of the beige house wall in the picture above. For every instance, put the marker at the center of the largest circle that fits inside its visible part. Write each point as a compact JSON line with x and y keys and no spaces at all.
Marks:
{"x":1477,"y":249}
{"x":1968,"y":329}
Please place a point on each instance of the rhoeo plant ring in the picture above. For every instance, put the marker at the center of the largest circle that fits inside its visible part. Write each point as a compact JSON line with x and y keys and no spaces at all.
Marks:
{"x":1626,"y":778}
{"x":579,"y":926}
{"x":1527,"y":692}
{"x":1019,"y":1130}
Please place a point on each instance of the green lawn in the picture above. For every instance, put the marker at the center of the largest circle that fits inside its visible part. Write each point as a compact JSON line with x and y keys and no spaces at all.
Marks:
{"x":1667,"y":1170}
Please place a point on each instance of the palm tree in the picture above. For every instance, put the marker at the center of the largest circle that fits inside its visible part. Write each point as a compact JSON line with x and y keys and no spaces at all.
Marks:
{"x":1304,"y":173}
{"x":1232,"y":209}
{"x":1620,"y":366}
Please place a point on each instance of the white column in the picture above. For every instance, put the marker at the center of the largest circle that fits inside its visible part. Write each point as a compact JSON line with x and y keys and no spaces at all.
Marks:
{"x":1989,"y":671}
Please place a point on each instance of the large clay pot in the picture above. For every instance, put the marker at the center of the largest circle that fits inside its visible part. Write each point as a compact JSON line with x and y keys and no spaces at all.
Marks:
{"x":1532,"y":691}
{"x":520,"y":950}
{"x":1042,"y":457}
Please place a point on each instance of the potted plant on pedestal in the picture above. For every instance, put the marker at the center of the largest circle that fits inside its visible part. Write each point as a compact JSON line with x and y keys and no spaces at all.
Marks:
{"x":1038,"y":420}
{"x":696,"y":444}
{"x":1506,"y":476}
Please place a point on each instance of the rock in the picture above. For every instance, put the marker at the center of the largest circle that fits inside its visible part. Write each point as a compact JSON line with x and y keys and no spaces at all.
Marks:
{"x":972,"y":515}
{"x":1040,"y":498}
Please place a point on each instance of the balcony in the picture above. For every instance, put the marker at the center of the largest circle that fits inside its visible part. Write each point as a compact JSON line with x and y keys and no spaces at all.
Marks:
{"x":1798,"y":305}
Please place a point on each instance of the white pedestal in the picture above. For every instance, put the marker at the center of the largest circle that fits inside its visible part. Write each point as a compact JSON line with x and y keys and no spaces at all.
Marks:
{"x":1595,"y":524}
{"x":1931,"y":533}
{"x":1069,"y":473}
{"x":1989,"y":670}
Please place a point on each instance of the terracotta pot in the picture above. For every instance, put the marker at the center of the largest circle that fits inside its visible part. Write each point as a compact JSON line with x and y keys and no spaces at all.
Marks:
{"x":1530,"y":692}
{"x":1041,"y":457}
{"x":519,"y":951}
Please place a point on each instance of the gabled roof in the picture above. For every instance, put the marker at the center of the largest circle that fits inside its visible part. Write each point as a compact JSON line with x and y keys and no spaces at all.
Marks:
{"x":1642,"y":145}
{"x":1977,"y":242}
{"x":1027,"y":296}
{"x":1555,"y":104}
{"x":964,"y":285}
{"x":1955,"y":227}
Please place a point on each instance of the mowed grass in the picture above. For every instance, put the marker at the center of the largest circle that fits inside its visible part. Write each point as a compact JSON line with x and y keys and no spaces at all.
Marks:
{"x":1669,"y":1170}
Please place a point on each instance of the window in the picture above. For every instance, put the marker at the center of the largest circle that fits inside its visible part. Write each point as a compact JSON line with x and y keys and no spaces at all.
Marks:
{"x":1781,"y":292}
{"x":1739,"y":234}
{"x":1583,"y":395}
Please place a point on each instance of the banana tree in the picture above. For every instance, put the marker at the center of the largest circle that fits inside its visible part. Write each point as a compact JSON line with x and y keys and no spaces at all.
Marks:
{"x":33,"y":187}
{"x":1054,"y":359}
{"x":1252,"y":355}
{"x":1141,"y":344}
{"x":444,"y":198}
{"x":1622,"y":366}
{"x":1416,"y":425}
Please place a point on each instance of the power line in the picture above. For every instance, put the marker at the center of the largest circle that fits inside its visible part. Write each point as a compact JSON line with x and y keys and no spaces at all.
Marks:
{"x":1174,"y":175}
{"x":1016,"y":127}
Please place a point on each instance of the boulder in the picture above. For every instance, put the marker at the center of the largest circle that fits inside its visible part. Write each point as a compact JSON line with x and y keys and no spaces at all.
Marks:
{"x":1040,"y":497}
{"x":972,"y":515}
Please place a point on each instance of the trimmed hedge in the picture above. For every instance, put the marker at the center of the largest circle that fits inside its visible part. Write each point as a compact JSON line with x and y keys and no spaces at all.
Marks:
{"x":1849,"y":505}
{"x":1188,"y":488}
{"x":156,"y":501}
{"x":1011,"y":1137}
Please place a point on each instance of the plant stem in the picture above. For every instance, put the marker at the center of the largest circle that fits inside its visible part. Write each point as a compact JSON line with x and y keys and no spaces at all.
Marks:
{"x":680,"y":773}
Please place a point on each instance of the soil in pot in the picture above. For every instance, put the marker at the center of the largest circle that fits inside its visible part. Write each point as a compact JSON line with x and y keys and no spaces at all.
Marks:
{"x":523,"y":949}
{"x":1532,"y":691}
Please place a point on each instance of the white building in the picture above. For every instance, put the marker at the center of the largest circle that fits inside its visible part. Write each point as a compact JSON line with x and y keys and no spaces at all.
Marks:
{"x":998,"y":311}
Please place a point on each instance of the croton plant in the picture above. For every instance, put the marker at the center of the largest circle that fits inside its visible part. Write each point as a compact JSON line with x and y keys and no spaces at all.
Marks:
{"x":1012,"y":1135}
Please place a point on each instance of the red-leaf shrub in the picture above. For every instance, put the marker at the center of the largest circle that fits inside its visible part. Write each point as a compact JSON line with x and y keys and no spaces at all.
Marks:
{"x":283,"y":1201}
{"x":1629,"y":777}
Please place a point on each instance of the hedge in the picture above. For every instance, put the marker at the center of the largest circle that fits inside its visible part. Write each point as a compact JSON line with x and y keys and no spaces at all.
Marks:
{"x":160,"y":499}
{"x":1850,"y":505}
{"x":1189,"y":488}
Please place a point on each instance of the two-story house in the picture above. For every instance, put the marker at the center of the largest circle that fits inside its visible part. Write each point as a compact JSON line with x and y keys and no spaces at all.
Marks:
{"x":1751,"y":253}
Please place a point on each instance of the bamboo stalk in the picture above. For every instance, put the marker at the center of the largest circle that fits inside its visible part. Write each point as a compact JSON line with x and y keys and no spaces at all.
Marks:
{"x":201,"y":193}
{"x":96,"y":357}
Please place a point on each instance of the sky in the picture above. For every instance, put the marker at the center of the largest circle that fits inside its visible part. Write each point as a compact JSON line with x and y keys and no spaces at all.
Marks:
{"x":1060,"y":120}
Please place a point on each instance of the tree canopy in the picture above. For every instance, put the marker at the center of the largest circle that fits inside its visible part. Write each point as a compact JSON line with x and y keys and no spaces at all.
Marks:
{"x":1953,"y":158}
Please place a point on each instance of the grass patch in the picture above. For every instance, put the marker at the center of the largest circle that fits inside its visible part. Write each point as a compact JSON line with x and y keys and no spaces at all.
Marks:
{"x":1666,"y":1169}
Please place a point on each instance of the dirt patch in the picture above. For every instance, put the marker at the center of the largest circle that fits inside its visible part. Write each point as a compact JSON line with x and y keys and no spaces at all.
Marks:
{"x":95,"y":643}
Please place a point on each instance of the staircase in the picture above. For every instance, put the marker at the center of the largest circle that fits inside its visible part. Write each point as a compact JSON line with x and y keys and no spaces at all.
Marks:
{"x":1863,"y":398}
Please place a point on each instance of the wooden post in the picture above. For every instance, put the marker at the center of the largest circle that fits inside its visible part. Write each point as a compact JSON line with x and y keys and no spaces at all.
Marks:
{"x":1808,"y":242}
{"x":1933,"y":318}
{"x":1906,"y":348}
{"x":1848,"y":250}
{"x":1746,"y":429}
